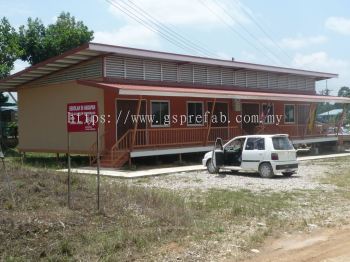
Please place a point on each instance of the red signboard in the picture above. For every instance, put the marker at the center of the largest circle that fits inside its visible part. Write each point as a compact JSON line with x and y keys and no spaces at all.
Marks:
{"x":82,"y":117}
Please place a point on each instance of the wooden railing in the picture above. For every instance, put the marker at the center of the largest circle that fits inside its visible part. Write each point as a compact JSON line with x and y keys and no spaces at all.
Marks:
{"x":193,"y":136}
{"x":122,"y":146}
{"x":293,"y":130}
{"x":163,"y":137}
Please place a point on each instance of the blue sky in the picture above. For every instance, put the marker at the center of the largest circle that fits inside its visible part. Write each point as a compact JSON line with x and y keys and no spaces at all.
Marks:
{"x":309,"y":34}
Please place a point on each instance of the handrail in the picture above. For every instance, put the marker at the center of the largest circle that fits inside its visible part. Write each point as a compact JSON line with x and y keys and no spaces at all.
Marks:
{"x":121,"y":141}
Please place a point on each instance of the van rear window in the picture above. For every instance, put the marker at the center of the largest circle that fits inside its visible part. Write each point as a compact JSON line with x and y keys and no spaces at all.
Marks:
{"x":282,"y":143}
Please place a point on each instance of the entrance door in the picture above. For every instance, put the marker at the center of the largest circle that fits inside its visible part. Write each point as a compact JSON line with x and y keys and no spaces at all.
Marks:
{"x":125,"y":110}
{"x":251,"y":110}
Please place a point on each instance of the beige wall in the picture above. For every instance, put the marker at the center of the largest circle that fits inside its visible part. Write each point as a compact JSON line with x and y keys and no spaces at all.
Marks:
{"x":42,"y":117}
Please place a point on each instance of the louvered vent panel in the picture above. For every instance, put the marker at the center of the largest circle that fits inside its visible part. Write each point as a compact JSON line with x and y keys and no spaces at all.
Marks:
{"x":169,"y":71}
{"x":186,"y":73}
{"x":310,"y":84}
{"x":115,"y":66}
{"x":263,"y":80}
{"x":252,"y":79}
{"x":283,"y":82}
{"x":200,"y":74}
{"x":91,"y":69}
{"x":214,"y":76}
{"x":240,"y":78}
{"x":273,"y":81}
{"x":293,"y":82}
{"x":301,"y":83}
{"x":134,"y":68}
{"x":228,"y":77}
{"x":153,"y":70}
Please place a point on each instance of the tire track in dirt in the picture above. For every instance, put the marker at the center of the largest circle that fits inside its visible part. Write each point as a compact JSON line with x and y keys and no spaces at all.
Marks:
{"x":332,"y":245}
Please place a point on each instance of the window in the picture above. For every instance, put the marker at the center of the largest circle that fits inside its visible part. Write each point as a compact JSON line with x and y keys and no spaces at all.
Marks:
{"x":289,"y":113}
{"x":282,"y":143}
{"x":195,"y":113}
{"x":267,"y":114}
{"x":255,"y":143}
{"x":236,"y":144}
{"x":160,"y":113}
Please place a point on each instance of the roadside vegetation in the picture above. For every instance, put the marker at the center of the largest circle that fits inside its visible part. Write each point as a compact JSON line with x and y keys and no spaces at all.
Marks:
{"x":143,"y":223}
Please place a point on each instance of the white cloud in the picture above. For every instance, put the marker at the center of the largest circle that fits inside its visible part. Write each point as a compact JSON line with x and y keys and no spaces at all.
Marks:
{"x":184,"y":12}
{"x":129,"y":35}
{"x":302,"y":41}
{"x":321,"y":61}
{"x":338,"y":24}
{"x":177,"y":13}
{"x":248,"y":57}
{"x":19,"y":65}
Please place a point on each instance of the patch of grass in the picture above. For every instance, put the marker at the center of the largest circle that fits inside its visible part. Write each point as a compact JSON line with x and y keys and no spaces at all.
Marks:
{"x":135,"y":219}
{"x":40,"y":225}
{"x":46,"y":160}
{"x":340,"y":178}
{"x":245,"y":203}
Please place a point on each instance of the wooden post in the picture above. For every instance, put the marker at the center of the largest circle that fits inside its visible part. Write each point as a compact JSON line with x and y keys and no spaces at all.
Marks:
{"x":311,"y":119}
{"x":23,"y":158}
{"x":135,"y":124}
{"x":210,"y":120}
{"x":98,"y":168}
{"x":180,"y":159}
{"x":69,"y":171}
{"x":340,"y":124}
{"x":129,"y":162}
{"x":7,"y":177}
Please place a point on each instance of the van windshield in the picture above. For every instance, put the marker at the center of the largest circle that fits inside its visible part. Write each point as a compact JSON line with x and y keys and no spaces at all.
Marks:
{"x":282,"y":143}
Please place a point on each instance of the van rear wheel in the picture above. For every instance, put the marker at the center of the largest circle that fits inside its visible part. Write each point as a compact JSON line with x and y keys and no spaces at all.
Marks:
{"x":266,"y":171}
{"x":211,"y":168}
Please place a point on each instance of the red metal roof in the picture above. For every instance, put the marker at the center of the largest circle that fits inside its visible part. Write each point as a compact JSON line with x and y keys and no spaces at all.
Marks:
{"x":144,"y":90}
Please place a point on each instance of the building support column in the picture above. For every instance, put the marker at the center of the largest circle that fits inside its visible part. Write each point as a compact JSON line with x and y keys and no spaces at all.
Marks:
{"x":138,"y":110}
{"x":310,"y":123}
{"x":340,"y":143}
{"x":209,"y":124}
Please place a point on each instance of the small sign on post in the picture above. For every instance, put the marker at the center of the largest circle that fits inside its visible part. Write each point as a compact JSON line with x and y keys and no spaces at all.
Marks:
{"x":82,"y":117}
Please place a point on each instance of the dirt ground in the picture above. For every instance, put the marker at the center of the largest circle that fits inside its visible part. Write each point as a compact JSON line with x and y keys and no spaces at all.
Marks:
{"x":330,"y":245}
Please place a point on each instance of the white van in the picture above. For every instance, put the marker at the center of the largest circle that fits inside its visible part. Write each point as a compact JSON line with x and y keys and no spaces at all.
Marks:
{"x":266,"y":154}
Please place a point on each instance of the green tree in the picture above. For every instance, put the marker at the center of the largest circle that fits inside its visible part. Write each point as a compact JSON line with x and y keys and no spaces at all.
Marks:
{"x":344,"y":91}
{"x":9,"y":53}
{"x":40,"y":43}
{"x":31,"y":41}
{"x":9,"y":47}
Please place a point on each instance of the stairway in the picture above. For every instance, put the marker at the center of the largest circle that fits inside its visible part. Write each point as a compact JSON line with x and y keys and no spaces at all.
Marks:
{"x":119,"y":160}
{"x":116,"y":156}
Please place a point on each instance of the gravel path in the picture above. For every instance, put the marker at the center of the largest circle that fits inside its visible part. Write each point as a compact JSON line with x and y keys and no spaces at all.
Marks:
{"x":305,"y":179}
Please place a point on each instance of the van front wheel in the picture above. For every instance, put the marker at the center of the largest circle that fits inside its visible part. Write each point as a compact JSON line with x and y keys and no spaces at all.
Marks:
{"x":211,"y":168}
{"x":266,"y":171}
